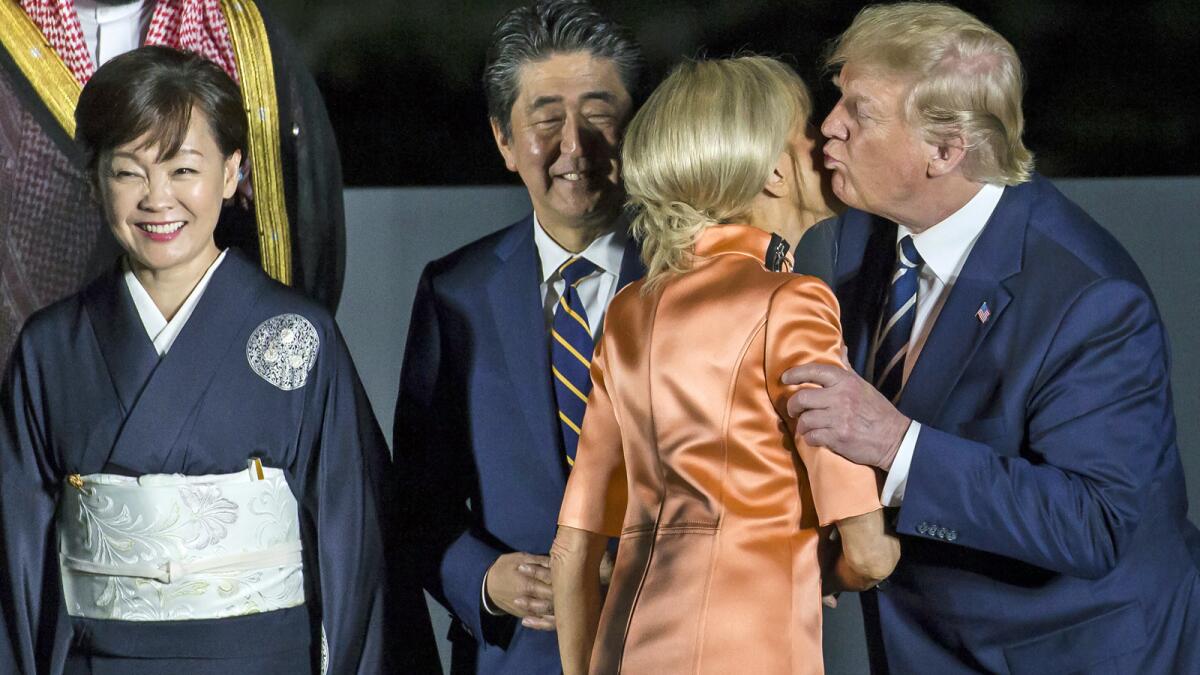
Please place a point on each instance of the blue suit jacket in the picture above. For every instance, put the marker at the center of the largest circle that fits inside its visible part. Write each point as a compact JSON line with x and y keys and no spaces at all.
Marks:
{"x":477,"y":438}
{"x":1044,"y":523}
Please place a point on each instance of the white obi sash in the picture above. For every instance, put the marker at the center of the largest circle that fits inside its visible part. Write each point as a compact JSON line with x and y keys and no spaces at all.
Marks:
{"x":167,"y":547}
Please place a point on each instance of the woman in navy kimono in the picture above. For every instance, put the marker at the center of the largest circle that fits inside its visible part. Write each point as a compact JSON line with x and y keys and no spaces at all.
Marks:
{"x":191,"y":479}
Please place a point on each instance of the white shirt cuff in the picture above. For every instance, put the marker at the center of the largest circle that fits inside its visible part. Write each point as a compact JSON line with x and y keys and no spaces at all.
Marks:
{"x":897,"y":478}
{"x":483,"y":599}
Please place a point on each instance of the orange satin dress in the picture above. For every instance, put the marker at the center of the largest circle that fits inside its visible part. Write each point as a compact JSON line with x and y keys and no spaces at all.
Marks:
{"x":687,"y":454}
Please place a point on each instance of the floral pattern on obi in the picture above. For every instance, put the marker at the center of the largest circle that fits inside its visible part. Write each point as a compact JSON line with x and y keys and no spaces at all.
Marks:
{"x":283,"y":349}
{"x":143,"y":549}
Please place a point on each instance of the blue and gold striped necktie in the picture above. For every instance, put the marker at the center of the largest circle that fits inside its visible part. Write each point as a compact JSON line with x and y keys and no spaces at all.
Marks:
{"x":571,"y":353}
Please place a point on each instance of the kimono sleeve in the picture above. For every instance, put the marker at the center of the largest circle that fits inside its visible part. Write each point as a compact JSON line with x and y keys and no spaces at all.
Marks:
{"x":803,"y":327}
{"x":370,"y":626}
{"x":597,"y":490}
{"x":34,"y":630}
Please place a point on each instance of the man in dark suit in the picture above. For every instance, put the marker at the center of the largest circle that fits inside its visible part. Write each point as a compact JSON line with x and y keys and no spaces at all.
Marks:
{"x":1017,"y":377}
{"x":494,"y":384}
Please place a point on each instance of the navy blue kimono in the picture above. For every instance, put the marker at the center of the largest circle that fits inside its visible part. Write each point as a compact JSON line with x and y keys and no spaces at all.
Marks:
{"x":86,"y":392}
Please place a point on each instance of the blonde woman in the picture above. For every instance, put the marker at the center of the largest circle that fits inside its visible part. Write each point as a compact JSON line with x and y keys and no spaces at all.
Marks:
{"x":687,"y":452}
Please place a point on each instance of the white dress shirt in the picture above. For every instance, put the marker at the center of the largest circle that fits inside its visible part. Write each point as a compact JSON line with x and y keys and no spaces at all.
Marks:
{"x":595,"y":291}
{"x":113,"y":29}
{"x":944,"y":249}
{"x":162,"y":332}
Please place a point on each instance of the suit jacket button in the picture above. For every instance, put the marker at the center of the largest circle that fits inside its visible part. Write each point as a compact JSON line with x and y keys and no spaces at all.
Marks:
{"x":952,"y":535}
{"x":922,"y":528}
{"x":941,"y":533}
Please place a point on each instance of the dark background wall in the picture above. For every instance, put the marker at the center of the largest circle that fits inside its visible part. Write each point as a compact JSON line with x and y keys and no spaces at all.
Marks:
{"x":393,"y":232}
{"x":1112,"y":87}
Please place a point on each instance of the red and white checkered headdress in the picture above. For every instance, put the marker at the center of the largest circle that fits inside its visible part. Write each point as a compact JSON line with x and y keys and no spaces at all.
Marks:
{"x":191,"y":25}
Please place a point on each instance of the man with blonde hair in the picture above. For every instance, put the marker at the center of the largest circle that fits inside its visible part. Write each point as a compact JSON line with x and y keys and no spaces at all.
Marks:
{"x":1012,"y":376}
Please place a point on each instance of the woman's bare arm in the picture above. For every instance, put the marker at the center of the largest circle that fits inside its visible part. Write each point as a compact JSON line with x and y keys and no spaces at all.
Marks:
{"x":575,"y":573}
{"x":869,"y":553}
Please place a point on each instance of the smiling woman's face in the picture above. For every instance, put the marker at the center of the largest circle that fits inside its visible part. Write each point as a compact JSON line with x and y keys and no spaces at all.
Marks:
{"x":163,"y":211}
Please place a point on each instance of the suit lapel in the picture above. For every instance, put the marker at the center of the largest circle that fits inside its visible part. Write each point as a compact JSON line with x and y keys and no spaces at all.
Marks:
{"x":515,"y":297}
{"x":866,"y":254}
{"x":632,"y":268}
{"x":951,"y":344}
{"x":185,"y":373}
{"x":959,"y":330}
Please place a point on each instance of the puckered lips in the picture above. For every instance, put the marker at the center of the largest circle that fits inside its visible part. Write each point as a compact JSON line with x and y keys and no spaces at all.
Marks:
{"x":830,"y":161}
{"x":161,"y":231}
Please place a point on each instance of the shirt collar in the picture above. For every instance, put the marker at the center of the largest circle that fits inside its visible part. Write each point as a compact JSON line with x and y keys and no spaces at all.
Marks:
{"x":102,"y":13}
{"x":606,"y":252}
{"x":945,"y":246}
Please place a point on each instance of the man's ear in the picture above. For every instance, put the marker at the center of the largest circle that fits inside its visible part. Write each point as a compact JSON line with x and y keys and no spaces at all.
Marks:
{"x":946,"y":157}
{"x":504,"y":144}
{"x":778,"y":182}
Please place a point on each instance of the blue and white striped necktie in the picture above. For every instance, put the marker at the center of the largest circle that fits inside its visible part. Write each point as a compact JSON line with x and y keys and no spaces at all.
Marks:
{"x":900,"y":314}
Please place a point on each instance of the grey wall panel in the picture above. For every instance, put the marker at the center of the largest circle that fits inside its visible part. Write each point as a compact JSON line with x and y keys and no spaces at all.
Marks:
{"x":1158,"y":221}
{"x":393,"y":232}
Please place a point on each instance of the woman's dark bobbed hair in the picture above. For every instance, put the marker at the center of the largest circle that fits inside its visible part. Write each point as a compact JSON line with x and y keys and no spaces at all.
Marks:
{"x":151,"y":92}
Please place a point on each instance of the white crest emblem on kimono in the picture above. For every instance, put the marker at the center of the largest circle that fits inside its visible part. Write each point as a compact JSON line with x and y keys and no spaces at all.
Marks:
{"x":283,"y":349}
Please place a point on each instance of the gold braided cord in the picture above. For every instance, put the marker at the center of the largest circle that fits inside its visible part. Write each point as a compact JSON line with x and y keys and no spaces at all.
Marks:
{"x":40,"y":64}
{"x":252,"y":52}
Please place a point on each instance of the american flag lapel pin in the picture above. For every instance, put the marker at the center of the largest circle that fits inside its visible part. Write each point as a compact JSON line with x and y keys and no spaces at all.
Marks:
{"x":983,"y":313}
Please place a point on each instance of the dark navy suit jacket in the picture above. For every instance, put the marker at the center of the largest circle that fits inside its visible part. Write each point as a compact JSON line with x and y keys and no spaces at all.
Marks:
{"x":1044,"y":522}
{"x":477,"y":436}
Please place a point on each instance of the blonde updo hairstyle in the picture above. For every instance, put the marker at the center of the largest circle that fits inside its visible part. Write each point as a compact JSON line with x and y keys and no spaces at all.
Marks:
{"x":701,"y":149}
{"x":966,"y":81}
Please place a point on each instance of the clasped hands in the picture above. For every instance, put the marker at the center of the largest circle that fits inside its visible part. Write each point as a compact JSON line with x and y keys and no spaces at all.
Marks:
{"x":519,"y":584}
{"x":845,"y":414}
